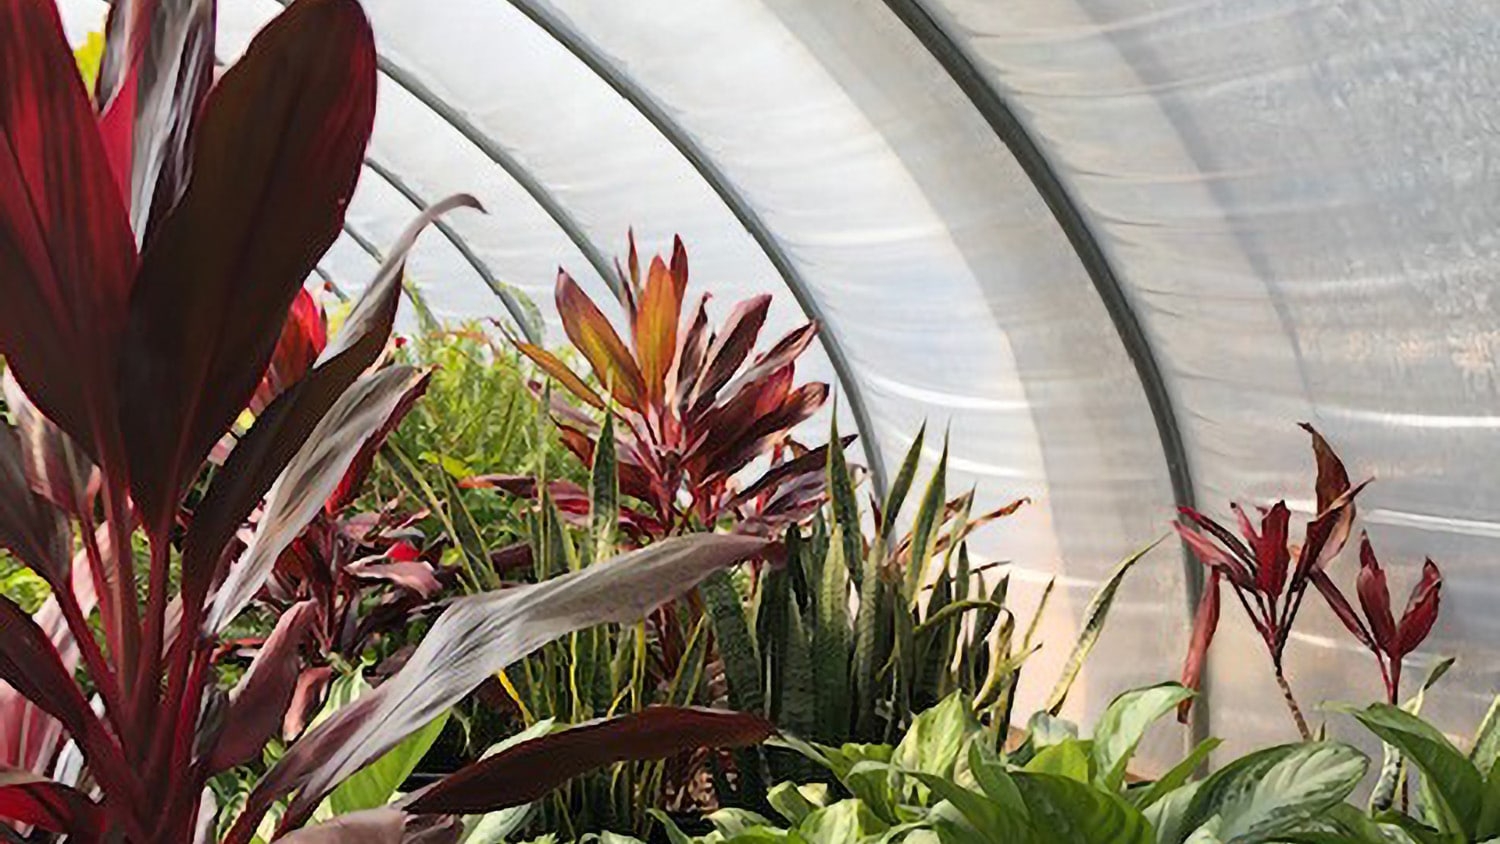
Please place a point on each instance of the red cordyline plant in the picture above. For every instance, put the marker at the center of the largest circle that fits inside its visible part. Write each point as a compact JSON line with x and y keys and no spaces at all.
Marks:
{"x":690,"y":412}
{"x":1379,"y":631}
{"x":150,"y":253}
{"x":1261,"y":572}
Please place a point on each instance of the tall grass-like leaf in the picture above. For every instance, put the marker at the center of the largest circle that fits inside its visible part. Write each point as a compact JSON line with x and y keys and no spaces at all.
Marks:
{"x":528,"y":770}
{"x":924,"y":532}
{"x":831,"y":649}
{"x":473,"y":640}
{"x":901,"y":486}
{"x":604,"y":489}
{"x":1450,"y":776}
{"x":1093,"y":625}
{"x":845,"y":506}
{"x":736,"y":645}
{"x":1273,"y":792}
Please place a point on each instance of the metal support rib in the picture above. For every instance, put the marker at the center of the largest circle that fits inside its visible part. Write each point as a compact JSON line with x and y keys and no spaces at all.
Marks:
{"x":711,"y":173}
{"x":480,"y":267}
{"x":1008,"y":127}
{"x":405,"y":80}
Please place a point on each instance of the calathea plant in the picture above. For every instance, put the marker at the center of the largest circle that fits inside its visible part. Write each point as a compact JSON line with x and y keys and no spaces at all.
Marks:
{"x":150,"y":252}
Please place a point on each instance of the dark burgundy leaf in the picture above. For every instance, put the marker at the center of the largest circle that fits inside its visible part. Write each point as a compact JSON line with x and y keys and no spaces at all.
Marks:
{"x":277,"y":151}
{"x":348,"y":488}
{"x":30,"y":526}
{"x":1421,"y":611}
{"x":287,"y":423}
{"x":729,"y":350}
{"x":258,"y":703}
{"x":1341,"y":608}
{"x":157,"y":67}
{"x":306,"y":698}
{"x":55,"y":466}
{"x":813,"y":461}
{"x":52,"y":806}
{"x":1272,"y":555}
{"x":309,"y":478}
{"x":1333,"y":479}
{"x":67,"y":255}
{"x":1375,"y":598}
{"x":511,"y":557}
{"x":473,"y":639}
{"x":529,"y":770}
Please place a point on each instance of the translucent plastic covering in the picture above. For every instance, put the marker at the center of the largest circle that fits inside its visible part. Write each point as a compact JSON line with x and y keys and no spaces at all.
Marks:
{"x":1116,"y":249}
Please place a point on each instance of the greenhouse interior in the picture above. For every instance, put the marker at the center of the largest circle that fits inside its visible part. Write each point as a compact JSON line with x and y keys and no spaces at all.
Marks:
{"x":931,"y":421}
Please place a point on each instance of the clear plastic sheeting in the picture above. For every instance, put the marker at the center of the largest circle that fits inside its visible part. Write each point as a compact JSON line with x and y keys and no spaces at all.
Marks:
{"x":1297,"y":199}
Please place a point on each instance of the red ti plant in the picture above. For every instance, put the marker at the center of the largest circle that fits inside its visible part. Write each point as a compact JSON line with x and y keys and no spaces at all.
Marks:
{"x":692,"y":408}
{"x":1379,"y":631}
{"x":1261,"y":572}
{"x":138,"y":325}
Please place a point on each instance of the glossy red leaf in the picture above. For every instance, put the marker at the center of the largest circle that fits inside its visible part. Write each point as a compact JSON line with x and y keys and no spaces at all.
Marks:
{"x":258,"y":703}
{"x":528,"y":770}
{"x":692,"y":349}
{"x":303,"y":337}
{"x":814,"y":461}
{"x":156,"y":70}
{"x":309,"y":478}
{"x":31,"y":799}
{"x":785,"y":352}
{"x":1333,"y":478}
{"x":596,"y":339}
{"x":416,"y":577}
{"x":474,"y":638}
{"x":1375,"y":598}
{"x":1205,"y":624}
{"x":1272,"y":554}
{"x":1214,"y":557}
{"x":67,"y":255}
{"x":277,"y":151}
{"x":282,"y":429}
{"x":1421,"y":611}
{"x":729,"y":350}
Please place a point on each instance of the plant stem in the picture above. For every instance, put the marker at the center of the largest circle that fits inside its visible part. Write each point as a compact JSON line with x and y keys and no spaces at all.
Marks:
{"x":1291,"y":703}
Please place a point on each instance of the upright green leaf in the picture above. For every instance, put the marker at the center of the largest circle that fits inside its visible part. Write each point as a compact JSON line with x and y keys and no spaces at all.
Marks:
{"x":831,"y":645}
{"x":936,"y":740}
{"x":1487,"y":739}
{"x":845,"y":507}
{"x":604,"y":492}
{"x":901,"y":486}
{"x":1393,"y":772}
{"x":1093,"y":626}
{"x":924,"y":531}
{"x":867,"y":649}
{"x":377,"y":783}
{"x":726,"y":613}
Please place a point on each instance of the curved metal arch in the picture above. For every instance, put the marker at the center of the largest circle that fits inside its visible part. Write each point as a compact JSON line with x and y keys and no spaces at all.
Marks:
{"x":1007,"y":126}
{"x":753,"y":223}
{"x":407,"y":82}
{"x":517,"y":313}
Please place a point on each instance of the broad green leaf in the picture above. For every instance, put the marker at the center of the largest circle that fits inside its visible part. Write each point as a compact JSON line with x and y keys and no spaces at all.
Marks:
{"x":1070,"y":812}
{"x":1093,"y":626}
{"x":986,"y":816}
{"x":1272,"y":792}
{"x":1066,"y":759}
{"x":789,"y":801}
{"x":1169,"y":815}
{"x":731,"y":822}
{"x":1123,"y":725}
{"x":377,"y":782}
{"x":1487,"y":739}
{"x":844,"y":822}
{"x":936,"y":739}
{"x":1393,"y":764}
{"x":1452,"y":778}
